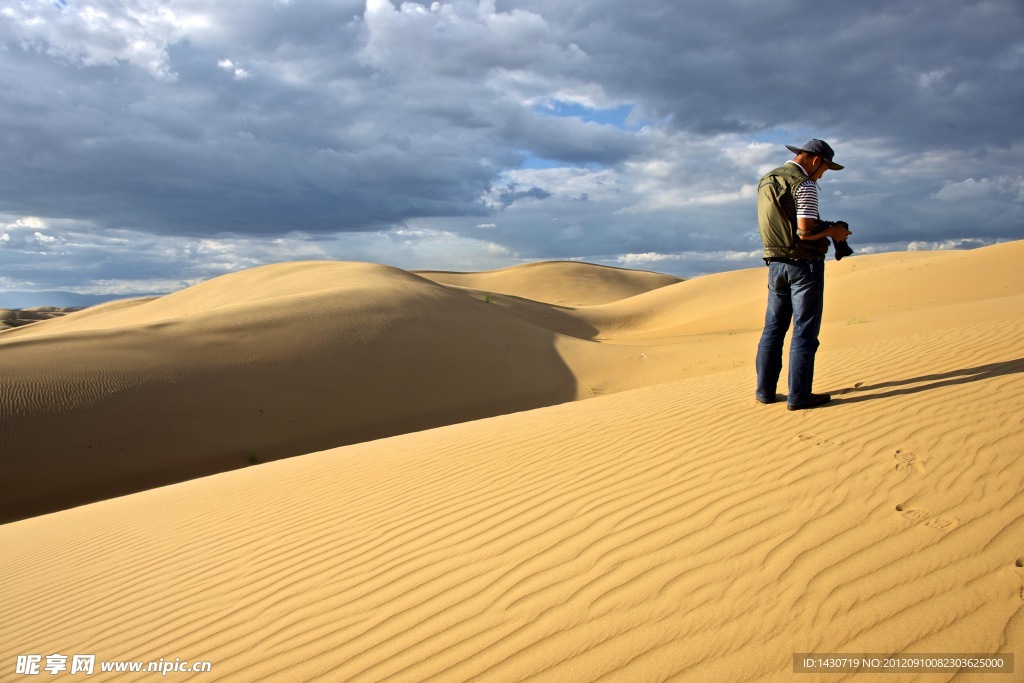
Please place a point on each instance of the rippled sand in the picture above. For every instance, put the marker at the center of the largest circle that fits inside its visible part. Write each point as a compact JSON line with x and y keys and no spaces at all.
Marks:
{"x":595,"y":495}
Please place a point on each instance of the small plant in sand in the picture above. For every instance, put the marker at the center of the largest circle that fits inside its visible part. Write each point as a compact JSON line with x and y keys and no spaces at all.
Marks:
{"x":253,"y":460}
{"x":487,"y":299}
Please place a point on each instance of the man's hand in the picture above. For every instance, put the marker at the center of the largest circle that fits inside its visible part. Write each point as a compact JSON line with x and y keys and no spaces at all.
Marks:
{"x":839,"y":230}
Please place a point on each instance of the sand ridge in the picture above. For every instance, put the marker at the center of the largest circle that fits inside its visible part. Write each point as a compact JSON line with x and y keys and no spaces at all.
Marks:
{"x":567,"y":283}
{"x":676,"y":531}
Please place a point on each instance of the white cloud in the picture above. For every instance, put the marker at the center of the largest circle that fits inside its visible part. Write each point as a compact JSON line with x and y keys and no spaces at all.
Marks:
{"x":961,"y":243}
{"x":971,"y":189}
{"x":459,"y":38}
{"x":688,"y":264}
{"x":683,"y":171}
{"x":125,"y":262}
{"x":649,"y":257}
{"x":237,"y":72}
{"x":31,"y":233}
{"x":931,"y":80}
{"x":104,"y":32}
{"x":599,"y":185}
{"x":965,"y":189}
{"x":668,"y":198}
{"x":45,"y":239}
{"x":33,"y":222}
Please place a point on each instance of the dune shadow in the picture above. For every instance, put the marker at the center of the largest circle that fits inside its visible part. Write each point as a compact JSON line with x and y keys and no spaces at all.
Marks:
{"x":155,"y":404}
{"x":915,"y":385}
{"x":552,"y":317}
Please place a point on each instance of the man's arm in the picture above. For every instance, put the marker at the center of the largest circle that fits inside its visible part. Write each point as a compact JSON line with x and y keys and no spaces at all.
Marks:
{"x":807,"y":229}
{"x":808,"y":226}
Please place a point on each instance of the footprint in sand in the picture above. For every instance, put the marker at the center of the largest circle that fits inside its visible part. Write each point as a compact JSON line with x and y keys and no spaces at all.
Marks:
{"x":927,"y":518}
{"x":908,"y":462}
{"x":824,"y":442}
{"x":915,"y":514}
{"x":943,"y":524}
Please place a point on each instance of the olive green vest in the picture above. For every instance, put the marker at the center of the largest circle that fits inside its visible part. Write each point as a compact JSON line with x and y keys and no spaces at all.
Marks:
{"x":776,"y":216}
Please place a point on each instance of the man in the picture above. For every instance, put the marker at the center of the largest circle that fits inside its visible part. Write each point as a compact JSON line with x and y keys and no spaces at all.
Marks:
{"x":795,"y":244}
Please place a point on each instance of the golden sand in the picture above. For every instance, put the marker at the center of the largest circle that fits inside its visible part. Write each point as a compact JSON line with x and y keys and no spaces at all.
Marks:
{"x":641,"y":518}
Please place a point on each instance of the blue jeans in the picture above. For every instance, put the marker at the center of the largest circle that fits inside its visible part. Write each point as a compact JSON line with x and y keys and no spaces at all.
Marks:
{"x":795,"y":292}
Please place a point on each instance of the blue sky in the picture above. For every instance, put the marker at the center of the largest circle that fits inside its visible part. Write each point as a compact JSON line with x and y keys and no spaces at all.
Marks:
{"x":612,"y":116}
{"x":150,"y":145}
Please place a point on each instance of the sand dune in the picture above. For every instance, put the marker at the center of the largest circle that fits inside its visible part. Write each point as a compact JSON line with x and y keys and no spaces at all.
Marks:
{"x":293,"y":358}
{"x":253,"y":366}
{"x":676,"y":531}
{"x":275,"y":362}
{"x":568,"y":283}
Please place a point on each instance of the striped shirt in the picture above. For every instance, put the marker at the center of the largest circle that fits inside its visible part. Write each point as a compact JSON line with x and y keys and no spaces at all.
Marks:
{"x":806,"y":196}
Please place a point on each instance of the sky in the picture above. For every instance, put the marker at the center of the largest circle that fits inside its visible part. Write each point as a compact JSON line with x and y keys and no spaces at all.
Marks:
{"x":148,"y":145}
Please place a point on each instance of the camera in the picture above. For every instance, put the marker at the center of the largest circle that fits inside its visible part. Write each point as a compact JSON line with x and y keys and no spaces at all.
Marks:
{"x":842,"y":248}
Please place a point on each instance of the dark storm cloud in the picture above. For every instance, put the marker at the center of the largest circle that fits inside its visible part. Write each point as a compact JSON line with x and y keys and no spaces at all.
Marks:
{"x":507,"y":196}
{"x":207,"y":153}
{"x":936,"y":73}
{"x":286,"y":119}
{"x":415,"y":124}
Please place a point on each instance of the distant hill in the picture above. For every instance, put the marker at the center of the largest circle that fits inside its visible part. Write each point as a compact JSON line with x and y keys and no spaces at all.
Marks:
{"x":21,"y":317}
{"x":59,"y":299}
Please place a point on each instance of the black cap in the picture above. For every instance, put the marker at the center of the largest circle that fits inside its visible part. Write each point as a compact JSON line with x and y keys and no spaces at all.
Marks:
{"x":818,"y":148}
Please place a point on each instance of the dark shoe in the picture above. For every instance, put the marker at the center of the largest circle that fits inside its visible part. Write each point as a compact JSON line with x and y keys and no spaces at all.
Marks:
{"x":813,"y":401}
{"x":842,"y":249}
{"x":767,"y":401}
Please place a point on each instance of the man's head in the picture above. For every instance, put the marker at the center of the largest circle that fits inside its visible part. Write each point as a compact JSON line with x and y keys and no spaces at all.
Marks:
{"x":815,"y":157}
